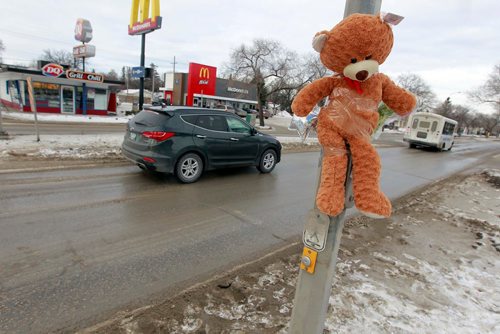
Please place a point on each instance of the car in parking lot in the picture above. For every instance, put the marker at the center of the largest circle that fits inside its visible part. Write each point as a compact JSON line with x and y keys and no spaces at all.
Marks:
{"x":240,"y":112}
{"x":186,"y":141}
{"x":267,"y":113}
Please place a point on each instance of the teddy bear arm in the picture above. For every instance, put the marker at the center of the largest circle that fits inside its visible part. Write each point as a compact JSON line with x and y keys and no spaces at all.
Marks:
{"x":397,"y":98}
{"x":311,"y":94}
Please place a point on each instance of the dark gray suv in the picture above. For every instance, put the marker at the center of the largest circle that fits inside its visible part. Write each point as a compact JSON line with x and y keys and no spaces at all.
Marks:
{"x":186,"y":141}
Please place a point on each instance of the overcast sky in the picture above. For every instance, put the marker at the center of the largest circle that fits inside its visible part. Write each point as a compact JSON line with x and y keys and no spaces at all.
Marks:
{"x":452,"y":44}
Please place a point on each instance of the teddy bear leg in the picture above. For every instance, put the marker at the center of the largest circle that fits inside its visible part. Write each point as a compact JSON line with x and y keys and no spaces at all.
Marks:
{"x":368,"y":197}
{"x":330,"y":198}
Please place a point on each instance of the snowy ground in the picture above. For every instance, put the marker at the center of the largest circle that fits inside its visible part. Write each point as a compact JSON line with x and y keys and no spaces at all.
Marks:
{"x":433,"y":267}
{"x":91,"y":147}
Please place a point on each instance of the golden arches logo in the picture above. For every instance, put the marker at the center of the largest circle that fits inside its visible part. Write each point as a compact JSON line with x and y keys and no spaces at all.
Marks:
{"x":144,"y":17}
{"x":140,"y":11}
{"x":204,"y":73}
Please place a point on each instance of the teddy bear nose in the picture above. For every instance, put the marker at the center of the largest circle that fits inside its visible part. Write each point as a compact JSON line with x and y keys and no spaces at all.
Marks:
{"x":362,"y":75}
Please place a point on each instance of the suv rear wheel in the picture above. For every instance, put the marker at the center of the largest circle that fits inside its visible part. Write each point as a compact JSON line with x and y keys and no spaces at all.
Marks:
{"x":267,"y":161}
{"x":189,"y":168}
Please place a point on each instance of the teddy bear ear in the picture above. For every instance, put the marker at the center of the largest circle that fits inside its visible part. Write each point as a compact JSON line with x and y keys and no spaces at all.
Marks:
{"x":319,"y":40}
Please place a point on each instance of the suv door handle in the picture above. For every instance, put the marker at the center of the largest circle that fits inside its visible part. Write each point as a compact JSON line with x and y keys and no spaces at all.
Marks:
{"x":234,"y":139}
{"x":200,"y":136}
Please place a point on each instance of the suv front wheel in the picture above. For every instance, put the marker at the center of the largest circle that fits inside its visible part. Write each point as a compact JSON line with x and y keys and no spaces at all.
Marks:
{"x":189,"y":168}
{"x":267,"y":161}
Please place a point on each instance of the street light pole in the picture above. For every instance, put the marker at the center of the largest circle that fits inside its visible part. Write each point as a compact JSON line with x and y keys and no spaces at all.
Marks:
{"x":152,"y":81}
{"x":321,"y":238}
{"x":362,"y":7}
{"x":141,"y":87}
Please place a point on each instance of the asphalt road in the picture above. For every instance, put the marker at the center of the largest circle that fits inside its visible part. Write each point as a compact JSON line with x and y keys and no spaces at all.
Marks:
{"x":77,"y":245}
{"x":17,"y":127}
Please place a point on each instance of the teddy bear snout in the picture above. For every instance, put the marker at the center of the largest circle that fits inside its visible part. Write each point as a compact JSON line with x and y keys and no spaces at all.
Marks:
{"x":362,"y":75}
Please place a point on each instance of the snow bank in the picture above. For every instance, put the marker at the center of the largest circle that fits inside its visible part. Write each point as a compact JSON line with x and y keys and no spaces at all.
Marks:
{"x":63,"y":146}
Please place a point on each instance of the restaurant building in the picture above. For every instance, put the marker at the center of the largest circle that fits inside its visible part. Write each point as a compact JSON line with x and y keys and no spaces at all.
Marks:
{"x":200,"y":87}
{"x":58,"y":89}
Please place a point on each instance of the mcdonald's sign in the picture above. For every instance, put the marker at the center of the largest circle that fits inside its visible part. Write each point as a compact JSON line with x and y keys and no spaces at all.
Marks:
{"x":143,"y":17}
{"x":204,"y":73}
{"x":201,"y":80}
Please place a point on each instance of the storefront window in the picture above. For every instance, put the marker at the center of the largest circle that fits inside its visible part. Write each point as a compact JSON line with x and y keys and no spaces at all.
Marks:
{"x":46,"y":95}
{"x":13,"y":89}
{"x":97,"y":99}
{"x":78,"y":97}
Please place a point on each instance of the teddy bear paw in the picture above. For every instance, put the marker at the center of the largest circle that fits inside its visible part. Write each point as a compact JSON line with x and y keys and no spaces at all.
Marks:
{"x":377,"y":206}
{"x":330,"y":208}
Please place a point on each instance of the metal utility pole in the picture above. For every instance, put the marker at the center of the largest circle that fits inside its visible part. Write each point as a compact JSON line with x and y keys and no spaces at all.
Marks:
{"x":84,"y":91}
{"x":321,"y":238}
{"x":174,"y":68}
{"x":172,"y":99}
{"x":152,"y":81}
{"x":141,"y":86}
{"x":362,"y":7}
{"x":3,"y":133}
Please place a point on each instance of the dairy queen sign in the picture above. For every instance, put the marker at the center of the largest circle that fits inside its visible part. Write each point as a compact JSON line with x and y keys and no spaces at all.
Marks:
{"x":52,"y":70}
{"x":84,"y":76}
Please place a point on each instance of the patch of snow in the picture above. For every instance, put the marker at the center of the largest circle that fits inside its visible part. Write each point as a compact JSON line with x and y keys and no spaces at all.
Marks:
{"x":455,"y":300}
{"x":492,"y":172}
{"x":89,"y":146}
{"x":65,"y":146}
{"x":283,"y":114}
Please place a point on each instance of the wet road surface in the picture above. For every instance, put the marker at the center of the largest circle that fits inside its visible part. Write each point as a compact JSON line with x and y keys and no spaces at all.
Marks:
{"x":77,"y":245}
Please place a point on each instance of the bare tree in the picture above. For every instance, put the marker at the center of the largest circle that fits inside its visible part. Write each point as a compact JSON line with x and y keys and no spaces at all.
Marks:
{"x":62,"y":57}
{"x":306,"y":70}
{"x":267,"y":64}
{"x":471,"y":121}
{"x":488,"y":122}
{"x":489,"y":92}
{"x":112,"y":75}
{"x":461,"y":114}
{"x":426,"y":99}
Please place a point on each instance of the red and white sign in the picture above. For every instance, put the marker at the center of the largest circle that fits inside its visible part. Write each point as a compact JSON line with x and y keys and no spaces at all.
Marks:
{"x":84,"y":76}
{"x":144,"y":27}
{"x":52,"y":70}
{"x":83,"y":30}
{"x":201,"y":80}
{"x":84,"y":51}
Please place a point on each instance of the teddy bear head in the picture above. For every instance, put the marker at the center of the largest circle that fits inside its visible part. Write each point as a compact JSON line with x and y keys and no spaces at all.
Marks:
{"x":356,"y":46}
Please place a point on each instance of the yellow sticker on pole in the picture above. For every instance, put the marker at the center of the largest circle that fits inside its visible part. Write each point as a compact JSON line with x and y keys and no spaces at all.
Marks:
{"x":308,"y":261}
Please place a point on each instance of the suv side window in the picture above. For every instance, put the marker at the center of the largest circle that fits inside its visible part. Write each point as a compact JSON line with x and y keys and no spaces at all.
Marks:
{"x":235,"y":125}
{"x":191,"y":119}
{"x":212,"y":122}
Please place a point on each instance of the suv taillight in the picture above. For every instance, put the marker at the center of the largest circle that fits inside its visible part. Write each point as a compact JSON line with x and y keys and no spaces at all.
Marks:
{"x":158,"y":135}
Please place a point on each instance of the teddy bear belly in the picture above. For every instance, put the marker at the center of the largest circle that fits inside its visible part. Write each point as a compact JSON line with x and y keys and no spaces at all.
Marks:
{"x":347,"y":124}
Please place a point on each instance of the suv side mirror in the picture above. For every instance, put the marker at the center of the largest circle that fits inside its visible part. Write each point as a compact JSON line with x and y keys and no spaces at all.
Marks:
{"x":253,"y":132}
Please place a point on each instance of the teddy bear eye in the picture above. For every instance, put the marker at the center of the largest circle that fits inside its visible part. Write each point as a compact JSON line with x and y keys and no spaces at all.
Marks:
{"x":354,"y":60}
{"x":368,"y":57}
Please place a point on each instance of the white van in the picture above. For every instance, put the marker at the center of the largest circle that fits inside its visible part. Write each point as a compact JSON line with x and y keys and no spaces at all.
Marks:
{"x":431,"y":130}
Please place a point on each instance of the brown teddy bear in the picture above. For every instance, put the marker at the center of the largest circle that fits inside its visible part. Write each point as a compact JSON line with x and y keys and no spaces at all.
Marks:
{"x":353,"y":49}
